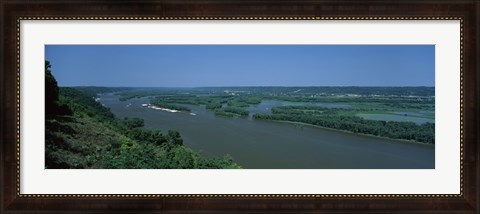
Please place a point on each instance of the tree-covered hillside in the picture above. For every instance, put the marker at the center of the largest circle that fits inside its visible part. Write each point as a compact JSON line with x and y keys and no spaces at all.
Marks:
{"x":81,"y":133}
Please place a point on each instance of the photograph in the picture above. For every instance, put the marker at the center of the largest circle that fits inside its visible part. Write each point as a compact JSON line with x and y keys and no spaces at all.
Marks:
{"x":204,"y":106}
{"x":240,"y":106}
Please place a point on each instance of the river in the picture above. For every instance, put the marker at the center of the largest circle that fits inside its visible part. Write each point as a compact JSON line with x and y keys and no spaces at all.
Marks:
{"x":276,"y":145}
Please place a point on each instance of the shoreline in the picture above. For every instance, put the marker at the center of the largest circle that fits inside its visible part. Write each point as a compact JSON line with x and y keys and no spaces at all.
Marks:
{"x":349,"y":132}
{"x":163,"y":109}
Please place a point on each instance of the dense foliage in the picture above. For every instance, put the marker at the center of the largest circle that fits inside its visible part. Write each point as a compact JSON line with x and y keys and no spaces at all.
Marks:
{"x":331,"y":118}
{"x":243,"y":97}
{"x":390,"y":101}
{"x":91,"y":137}
{"x":133,"y":93}
{"x":163,"y":104}
{"x":51,"y":90}
{"x":83,"y":105}
{"x":132,"y":123}
{"x":193,"y":99}
{"x":235,"y":104}
{"x":231,"y":112}
{"x":52,"y":105}
{"x":244,"y":101}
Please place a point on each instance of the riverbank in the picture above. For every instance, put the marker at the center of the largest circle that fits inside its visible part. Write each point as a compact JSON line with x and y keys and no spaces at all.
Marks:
{"x":349,"y":132}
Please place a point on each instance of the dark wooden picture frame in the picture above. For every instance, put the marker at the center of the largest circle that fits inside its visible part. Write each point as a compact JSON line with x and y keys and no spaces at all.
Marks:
{"x":468,"y":12}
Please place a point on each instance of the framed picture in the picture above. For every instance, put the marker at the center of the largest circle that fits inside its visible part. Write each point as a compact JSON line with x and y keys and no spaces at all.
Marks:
{"x":240,"y":106}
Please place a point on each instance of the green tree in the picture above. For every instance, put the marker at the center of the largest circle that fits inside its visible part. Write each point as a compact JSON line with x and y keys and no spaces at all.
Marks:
{"x":52,"y":106}
{"x":51,"y":90}
{"x":174,"y":138}
{"x":133,"y":122}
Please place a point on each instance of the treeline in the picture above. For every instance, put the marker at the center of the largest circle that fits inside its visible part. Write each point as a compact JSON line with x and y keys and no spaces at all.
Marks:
{"x":146,"y":92}
{"x":329,"y":118}
{"x":193,"y":99}
{"x":94,"y":91}
{"x":163,"y":104}
{"x":82,"y":104}
{"x":87,"y":135}
{"x":231,"y":112}
{"x":328,"y":90}
{"x":211,"y":101}
{"x":235,"y":105}
{"x":393,"y":101}
{"x":287,"y":90}
{"x":244,"y":101}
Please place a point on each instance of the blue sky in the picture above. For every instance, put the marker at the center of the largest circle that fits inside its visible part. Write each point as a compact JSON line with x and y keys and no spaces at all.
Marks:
{"x":242,"y":65}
